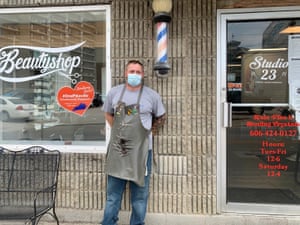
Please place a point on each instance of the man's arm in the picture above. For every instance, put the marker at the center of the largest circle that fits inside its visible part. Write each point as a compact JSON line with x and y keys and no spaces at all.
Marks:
{"x":157,"y":123}
{"x":109,"y":118}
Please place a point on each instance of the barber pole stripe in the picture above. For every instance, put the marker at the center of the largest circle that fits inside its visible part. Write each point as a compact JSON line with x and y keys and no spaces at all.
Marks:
{"x":161,"y":38}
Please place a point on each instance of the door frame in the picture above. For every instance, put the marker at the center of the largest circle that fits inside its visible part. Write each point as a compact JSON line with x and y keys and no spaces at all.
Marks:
{"x":224,"y":16}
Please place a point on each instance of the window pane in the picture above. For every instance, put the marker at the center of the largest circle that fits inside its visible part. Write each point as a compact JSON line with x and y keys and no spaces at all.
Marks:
{"x":257,"y":61}
{"x":263,"y":157}
{"x":43,"y":54}
{"x":263,"y":141}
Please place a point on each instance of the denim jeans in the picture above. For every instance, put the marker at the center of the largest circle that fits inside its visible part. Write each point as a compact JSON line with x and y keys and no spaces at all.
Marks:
{"x":139,"y":198}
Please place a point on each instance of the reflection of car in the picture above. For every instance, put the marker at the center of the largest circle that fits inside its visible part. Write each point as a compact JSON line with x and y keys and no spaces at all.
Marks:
{"x":15,"y":108}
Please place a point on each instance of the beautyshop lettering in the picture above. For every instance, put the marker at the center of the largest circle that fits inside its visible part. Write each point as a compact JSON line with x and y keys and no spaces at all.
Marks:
{"x":49,"y":61}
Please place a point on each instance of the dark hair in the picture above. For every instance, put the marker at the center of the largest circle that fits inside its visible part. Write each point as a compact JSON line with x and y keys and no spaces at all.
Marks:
{"x":133,"y":61}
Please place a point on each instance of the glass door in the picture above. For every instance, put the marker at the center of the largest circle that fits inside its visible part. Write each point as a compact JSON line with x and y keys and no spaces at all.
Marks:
{"x":259,"y":129}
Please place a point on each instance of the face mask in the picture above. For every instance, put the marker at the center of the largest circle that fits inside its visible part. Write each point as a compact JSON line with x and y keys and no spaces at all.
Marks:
{"x":134,"y":79}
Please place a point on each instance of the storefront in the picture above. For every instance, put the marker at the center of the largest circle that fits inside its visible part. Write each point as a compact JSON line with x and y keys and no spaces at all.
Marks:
{"x":230,"y":149}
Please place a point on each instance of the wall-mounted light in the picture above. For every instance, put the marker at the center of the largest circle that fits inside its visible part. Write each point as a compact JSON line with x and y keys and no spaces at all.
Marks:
{"x":162,"y":9}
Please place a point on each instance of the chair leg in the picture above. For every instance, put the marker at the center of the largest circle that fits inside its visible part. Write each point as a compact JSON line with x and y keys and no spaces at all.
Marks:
{"x":33,"y":221}
{"x":55,"y":216}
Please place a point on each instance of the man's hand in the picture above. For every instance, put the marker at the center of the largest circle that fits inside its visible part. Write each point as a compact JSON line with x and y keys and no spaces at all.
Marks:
{"x":109,"y":118}
{"x":157,"y":123}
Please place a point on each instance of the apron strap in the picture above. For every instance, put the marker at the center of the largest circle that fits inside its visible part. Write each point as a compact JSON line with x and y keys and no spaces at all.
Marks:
{"x":139,"y":97}
{"x":122,"y":93}
{"x":140,"y":94}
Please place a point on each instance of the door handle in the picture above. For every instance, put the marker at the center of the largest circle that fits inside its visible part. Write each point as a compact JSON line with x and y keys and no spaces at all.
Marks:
{"x":227,"y":113}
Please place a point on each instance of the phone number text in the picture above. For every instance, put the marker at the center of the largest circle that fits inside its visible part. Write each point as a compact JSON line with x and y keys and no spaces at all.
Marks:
{"x":273,"y":133}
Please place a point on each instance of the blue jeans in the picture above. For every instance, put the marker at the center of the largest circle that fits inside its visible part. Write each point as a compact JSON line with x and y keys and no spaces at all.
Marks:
{"x":139,"y":198}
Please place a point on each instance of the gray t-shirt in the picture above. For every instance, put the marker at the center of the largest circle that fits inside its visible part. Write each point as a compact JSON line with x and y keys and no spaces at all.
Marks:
{"x":150,"y":104}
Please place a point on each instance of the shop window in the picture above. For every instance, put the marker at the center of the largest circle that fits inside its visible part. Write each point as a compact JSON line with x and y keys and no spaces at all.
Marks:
{"x":53,"y":77}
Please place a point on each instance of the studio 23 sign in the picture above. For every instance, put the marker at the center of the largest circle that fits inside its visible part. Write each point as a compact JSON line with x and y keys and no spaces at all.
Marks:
{"x":50,"y":61}
{"x":264,"y":76}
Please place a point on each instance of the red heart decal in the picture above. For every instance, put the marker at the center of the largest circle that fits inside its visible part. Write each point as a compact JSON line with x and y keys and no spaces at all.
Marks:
{"x":76,"y":100}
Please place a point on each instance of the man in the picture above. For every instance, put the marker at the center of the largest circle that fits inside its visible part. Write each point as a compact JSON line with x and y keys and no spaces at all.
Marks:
{"x":129,"y":109}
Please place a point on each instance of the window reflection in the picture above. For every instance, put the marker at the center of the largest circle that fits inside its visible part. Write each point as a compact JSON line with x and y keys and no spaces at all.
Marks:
{"x":259,"y":42}
{"x":26,"y":34}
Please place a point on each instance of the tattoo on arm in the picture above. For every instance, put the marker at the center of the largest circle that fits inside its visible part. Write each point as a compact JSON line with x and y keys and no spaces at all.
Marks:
{"x":158,"y":122}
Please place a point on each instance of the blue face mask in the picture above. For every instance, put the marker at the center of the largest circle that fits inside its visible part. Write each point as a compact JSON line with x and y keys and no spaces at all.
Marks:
{"x":134,"y":79}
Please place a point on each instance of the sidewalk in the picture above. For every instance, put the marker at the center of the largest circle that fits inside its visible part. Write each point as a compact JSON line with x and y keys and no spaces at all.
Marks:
{"x":179,"y":219}
{"x":73,"y":217}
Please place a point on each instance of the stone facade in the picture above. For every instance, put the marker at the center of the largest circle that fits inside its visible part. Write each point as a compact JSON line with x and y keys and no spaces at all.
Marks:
{"x":184,"y":176}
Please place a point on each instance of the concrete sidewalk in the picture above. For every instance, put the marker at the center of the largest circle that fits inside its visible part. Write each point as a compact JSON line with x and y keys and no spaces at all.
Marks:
{"x":72,"y":217}
{"x":191,"y":220}
{"x":93,"y":217}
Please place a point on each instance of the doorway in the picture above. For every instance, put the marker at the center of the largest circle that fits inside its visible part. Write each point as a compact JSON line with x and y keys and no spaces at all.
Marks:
{"x":258,"y":144}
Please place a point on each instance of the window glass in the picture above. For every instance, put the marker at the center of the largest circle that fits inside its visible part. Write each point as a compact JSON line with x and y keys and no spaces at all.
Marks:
{"x":257,"y":61}
{"x":53,"y":77}
{"x":263,"y":140}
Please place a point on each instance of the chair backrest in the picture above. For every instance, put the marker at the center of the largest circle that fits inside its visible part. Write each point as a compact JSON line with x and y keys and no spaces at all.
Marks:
{"x":26,"y":172}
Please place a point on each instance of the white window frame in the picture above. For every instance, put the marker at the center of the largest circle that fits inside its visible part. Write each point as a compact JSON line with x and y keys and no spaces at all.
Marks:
{"x":224,"y":16}
{"x":107,"y":9}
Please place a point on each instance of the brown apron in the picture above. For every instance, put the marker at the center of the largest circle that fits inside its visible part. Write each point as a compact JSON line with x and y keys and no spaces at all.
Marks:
{"x":129,"y":144}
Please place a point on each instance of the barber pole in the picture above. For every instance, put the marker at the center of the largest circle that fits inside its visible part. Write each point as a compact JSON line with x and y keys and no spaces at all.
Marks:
{"x":161,"y":37}
{"x":161,"y":21}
